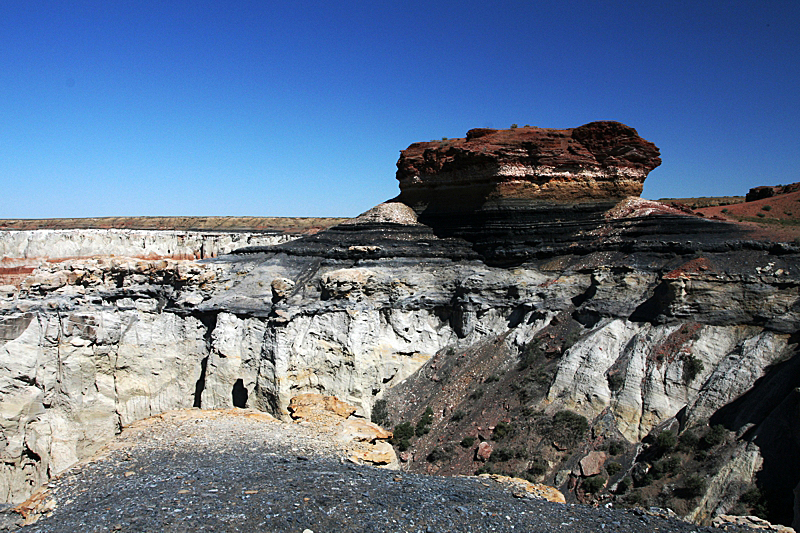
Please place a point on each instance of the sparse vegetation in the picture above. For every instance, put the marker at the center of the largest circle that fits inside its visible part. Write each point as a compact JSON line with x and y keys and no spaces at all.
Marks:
{"x":402,"y":436}
{"x":476,"y":394}
{"x":624,"y":485}
{"x":613,"y":468}
{"x":537,"y":468}
{"x":380,"y":413}
{"x":615,"y":447}
{"x":760,"y":215}
{"x":467,"y":442}
{"x":501,"y":430}
{"x":441,"y":454}
{"x":530,"y":354}
{"x":593,"y":484}
{"x":492,"y":379}
{"x":502,"y":455}
{"x":666,"y":441}
{"x":694,"y":486}
{"x":766,"y":207}
{"x":715,"y":435}
{"x":424,"y":423}
{"x":457,"y":416}
{"x":615,"y":381}
{"x":692,"y":367}
{"x":569,"y":427}
{"x":725,"y":210}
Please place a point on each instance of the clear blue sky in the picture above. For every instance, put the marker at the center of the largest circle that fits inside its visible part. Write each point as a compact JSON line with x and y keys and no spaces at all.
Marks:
{"x":300,"y":108}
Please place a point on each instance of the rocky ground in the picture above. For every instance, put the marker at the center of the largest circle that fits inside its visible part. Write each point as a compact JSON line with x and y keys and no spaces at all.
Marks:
{"x":239,"y":470}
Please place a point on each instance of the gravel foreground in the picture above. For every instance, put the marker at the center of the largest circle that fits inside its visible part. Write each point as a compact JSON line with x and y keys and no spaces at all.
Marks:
{"x":242,"y":471}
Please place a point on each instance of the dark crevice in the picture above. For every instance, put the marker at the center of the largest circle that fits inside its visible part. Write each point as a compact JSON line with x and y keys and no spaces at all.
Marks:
{"x":209,"y":320}
{"x":239,"y":394}
{"x":201,"y":383}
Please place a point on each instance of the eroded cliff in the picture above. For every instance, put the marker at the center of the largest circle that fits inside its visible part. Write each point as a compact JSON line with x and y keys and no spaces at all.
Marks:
{"x":639,"y":318}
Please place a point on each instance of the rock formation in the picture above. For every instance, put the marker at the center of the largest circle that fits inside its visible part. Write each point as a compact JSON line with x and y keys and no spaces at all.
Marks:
{"x":512,"y":254}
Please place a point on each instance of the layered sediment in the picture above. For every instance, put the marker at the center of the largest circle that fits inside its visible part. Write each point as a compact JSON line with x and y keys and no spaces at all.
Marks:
{"x":500,"y":242}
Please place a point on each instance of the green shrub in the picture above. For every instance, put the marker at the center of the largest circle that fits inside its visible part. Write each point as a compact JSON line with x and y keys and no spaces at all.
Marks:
{"x":666,"y":442}
{"x":476,"y":394}
{"x":615,"y":381}
{"x":537,"y":467}
{"x":624,"y":485}
{"x":501,"y":455}
{"x":458,"y":415}
{"x":692,"y":367}
{"x":755,"y":502}
{"x":760,"y":215}
{"x":380,"y":414}
{"x":501,"y":430}
{"x":423,"y":425}
{"x":615,"y":447}
{"x":440,"y":454}
{"x":725,"y":210}
{"x":715,"y":435}
{"x":593,"y":484}
{"x":401,"y":436}
{"x":688,"y":441}
{"x":572,"y":424}
{"x":613,"y":468}
{"x":491,"y":379}
{"x":529,"y":354}
{"x":467,"y":442}
{"x":514,"y":126}
{"x":766,"y":208}
{"x":694,"y":486}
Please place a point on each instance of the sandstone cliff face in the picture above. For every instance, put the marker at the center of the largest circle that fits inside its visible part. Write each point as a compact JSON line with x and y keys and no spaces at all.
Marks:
{"x":636,"y":317}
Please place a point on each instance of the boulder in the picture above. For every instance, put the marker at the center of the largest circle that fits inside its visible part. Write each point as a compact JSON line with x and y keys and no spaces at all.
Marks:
{"x":483,"y":452}
{"x":592,"y":463}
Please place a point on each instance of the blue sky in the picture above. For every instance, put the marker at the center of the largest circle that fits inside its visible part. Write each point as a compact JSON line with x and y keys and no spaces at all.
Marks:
{"x":300,"y":109}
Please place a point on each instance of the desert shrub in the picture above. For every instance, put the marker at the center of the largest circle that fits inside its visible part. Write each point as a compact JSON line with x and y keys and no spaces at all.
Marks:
{"x":423,"y":425}
{"x":635,"y":498}
{"x":476,"y":394}
{"x":491,"y":379}
{"x":537,"y":467}
{"x":624,"y":485}
{"x":402,"y":436}
{"x":760,"y":215}
{"x":440,"y":454}
{"x":467,"y":442}
{"x":725,"y":210}
{"x":613,"y":468}
{"x":485,"y":469}
{"x":458,"y":415}
{"x":715,"y":435}
{"x":529,"y":354}
{"x":569,"y":423}
{"x":694,"y":486}
{"x":666,"y":442}
{"x":615,"y":381}
{"x":615,"y":447}
{"x":380,"y":414}
{"x":664,"y":467}
{"x":451,"y":351}
{"x":692,"y":366}
{"x":766,"y":208}
{"x":755,"y":502}
{"x":502,"y":455}
{"x":501,"y":430}
{"x":594,"y":484}
{"x":688,"y":441}
{"x":514,"y":126}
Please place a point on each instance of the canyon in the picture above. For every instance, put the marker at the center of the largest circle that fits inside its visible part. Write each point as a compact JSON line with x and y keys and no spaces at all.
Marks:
{"x":516,"y":277}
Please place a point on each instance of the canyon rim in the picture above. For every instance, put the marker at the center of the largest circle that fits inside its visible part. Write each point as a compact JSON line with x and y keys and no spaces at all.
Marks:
{"x":516,"y":277}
